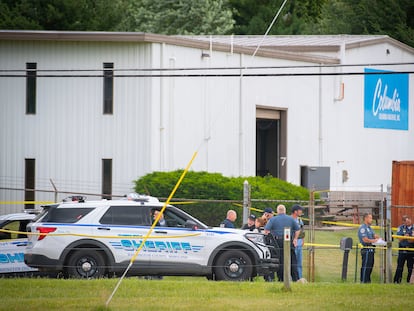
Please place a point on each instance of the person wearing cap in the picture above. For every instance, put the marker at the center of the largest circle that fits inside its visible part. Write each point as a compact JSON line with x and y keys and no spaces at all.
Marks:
{"x":404,"y":252}
{"x":268,"y":213}
{"x":296,"y":214}
{"x":250,"y":225}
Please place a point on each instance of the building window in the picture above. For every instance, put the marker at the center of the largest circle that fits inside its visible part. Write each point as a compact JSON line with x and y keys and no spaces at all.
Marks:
{"x":29,"y":182}
{"x":31,"y":88}
{"x":106,"y":179}
{"x":108,"y":88}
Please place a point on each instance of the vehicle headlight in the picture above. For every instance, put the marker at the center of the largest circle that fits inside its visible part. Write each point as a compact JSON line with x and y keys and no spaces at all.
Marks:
{"x":256,"y":238}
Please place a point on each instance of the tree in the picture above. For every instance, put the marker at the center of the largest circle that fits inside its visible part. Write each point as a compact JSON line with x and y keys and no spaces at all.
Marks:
{"x":255,"y":16}
{"x":185,"y":17}
{"x":394,"y":18}
{"x":98,"y":15}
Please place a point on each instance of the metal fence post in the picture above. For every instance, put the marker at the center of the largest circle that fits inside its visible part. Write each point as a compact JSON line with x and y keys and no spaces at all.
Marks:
{"x":311,"y":238}
{"x":286,"y":259}
{"x":246,"y":201}
{"x":388,"y":271}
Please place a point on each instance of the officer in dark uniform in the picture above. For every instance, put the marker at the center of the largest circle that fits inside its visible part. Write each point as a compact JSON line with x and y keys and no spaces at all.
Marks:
{"x":250,"y":225}
{"x":404,"y":255}
{"x":230,"y":219}
{"x":276,"y":226}
{"x":367,"y":237}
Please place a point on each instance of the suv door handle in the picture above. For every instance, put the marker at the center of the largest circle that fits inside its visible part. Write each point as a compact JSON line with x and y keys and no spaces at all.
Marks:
{"x":163,"y":232}
{"x":104,"y":228}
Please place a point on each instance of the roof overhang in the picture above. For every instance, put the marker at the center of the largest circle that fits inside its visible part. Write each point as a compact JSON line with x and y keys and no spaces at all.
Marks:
{"x":139,"y":37}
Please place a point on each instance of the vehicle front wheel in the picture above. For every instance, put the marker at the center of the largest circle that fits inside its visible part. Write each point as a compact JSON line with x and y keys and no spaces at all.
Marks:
{"x":86,"y":264}
{"x":233,"y":265}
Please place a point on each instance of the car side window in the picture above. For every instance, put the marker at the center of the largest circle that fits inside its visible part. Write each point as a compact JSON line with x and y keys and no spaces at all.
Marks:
{"x":174,"y":220}
{"x":127,"y":216}
{"x":14,"y":228}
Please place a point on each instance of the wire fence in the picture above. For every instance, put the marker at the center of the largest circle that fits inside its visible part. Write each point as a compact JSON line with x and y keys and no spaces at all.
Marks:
{"x":323,"y":259}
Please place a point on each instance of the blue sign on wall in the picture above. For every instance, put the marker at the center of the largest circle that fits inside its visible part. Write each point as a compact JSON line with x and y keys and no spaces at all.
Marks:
{"x":386,"y":100}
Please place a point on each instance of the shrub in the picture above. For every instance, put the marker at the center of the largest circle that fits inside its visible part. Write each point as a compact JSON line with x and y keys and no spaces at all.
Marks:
{"x":215,"y":186}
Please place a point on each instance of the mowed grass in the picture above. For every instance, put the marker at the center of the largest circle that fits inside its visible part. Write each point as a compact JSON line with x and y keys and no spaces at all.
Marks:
{"x":198,"y":294}
{"x":328,"y":292}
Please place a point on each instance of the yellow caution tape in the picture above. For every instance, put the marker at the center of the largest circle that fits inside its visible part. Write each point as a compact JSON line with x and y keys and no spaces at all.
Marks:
{"x":100,"y":236}
{"x":25,"y":202}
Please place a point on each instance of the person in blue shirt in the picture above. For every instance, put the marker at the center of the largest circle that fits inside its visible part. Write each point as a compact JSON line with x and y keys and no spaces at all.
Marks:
{"x":297,"y":211}
{"x":405,"y":255}
{"x":276,"y":226}
{"x":230,"y":219}
{"x":367,"y":237}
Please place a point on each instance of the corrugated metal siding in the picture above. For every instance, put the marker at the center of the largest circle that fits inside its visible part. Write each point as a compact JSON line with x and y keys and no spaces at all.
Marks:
{"x":402,"y":199}
{"x":159,"y":122}
{"x":69,"y":135}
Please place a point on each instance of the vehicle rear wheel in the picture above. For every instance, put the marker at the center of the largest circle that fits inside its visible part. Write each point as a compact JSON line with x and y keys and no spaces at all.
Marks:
{"x":233,"y":265}
{"x":86,"y":264}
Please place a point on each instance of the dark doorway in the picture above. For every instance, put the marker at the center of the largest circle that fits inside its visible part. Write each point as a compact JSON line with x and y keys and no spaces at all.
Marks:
{"x":29,"y":182}
{"x":267,"y":147}
{"x":271,"y":143}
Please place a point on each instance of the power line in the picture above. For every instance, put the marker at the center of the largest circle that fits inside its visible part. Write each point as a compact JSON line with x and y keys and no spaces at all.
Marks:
{"x":270,"y":27}
{"x":215,"y":68}
{"x":194,"y":75}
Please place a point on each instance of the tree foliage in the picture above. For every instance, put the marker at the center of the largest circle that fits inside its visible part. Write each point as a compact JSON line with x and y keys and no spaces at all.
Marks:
{"x":215,"y":186}
{"x":80,"y":15}
{"x":311,"y":17}
{"x":184,"y":17}
{"x":188,"y":17}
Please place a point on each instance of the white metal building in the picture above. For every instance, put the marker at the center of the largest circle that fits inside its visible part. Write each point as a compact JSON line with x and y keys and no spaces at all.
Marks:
{"x":89,"y":112}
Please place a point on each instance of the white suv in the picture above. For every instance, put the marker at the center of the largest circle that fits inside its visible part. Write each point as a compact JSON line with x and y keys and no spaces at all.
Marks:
{"x":13,"y":241}
{"x":90,"y":239}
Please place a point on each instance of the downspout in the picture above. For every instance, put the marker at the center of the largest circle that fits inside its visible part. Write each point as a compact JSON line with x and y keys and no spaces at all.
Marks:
{"x":341,"y":94}
{"x":320,"y":135}
{"x":241,"y":151}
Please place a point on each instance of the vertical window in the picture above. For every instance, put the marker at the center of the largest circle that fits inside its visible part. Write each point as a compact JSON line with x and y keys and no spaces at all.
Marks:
{"x":31,"y":88}
{"x":29,"y":182}
{"x":106,"y":179}
{"x":108,"y":88}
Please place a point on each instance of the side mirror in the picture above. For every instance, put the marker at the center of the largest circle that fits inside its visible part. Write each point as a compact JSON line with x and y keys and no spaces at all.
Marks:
{"x":191,"y":225}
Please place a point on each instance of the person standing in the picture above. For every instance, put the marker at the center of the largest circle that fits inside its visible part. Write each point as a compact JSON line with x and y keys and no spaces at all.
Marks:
{"x":404,"y":255}
{"x":259,"y":224}
{"x":297,"y":211}
{"x":268,"y":213}
{"x":367,"y":237}
{"x":250,"y":225}
{"x":230,"y":219}
{"x":276,"y":226}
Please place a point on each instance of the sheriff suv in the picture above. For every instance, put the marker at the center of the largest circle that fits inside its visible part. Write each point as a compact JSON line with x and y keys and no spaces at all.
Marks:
{"x":92,"y":239}
{"x":13,"y":241}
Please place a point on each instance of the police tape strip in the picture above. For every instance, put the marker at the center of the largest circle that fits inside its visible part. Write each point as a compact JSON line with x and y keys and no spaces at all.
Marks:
{"x":99,"y":236}
{"x":306,"y":244}
{"x":25,"y":202}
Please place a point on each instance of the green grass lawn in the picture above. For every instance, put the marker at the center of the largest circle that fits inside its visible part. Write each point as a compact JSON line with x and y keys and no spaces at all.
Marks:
{"x":198,"y":294}
{"x":328,"y":292}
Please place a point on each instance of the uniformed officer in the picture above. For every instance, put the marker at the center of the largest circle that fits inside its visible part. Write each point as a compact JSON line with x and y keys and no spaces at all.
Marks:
{"x":276,"y":227}
{"x":230,"y":219}
{"x":367,"y":237}
{"x":404,"y":255}
{"x":296,"y":214}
